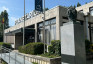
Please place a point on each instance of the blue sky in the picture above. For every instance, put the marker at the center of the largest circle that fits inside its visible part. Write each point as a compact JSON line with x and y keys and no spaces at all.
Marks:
{"x":15,"y":8}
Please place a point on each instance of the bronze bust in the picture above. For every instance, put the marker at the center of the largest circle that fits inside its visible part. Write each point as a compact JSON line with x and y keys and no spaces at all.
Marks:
{"x":72,"y":14}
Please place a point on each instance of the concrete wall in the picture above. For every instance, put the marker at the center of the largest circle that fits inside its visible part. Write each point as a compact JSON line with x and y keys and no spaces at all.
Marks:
{"x":18,"y":41}
{"x":42,"y":60}
{"x":9,"y":39}
{"x":85,"y":7}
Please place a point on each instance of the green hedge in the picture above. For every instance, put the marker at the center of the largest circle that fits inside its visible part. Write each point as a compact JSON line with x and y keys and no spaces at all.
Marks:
{"x":34,"y":63}
{"x":7,"y":45}
{"x":88,"y":46}
{"x":55,"y":47}
{"x":32,"y":48}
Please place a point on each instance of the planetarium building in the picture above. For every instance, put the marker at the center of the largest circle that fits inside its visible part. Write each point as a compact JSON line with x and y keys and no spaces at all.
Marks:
{"x":54,"y":19}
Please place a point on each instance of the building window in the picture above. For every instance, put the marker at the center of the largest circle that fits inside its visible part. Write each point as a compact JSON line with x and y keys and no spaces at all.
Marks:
{"x":53,"y":32}
{"x":91,"y":11}
{"x":47,"y":34}
{"x":81,"y":11}
{"x":50,"y":31}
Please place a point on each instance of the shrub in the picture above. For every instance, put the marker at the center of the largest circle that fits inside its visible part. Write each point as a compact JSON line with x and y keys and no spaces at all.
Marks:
{"x":55,"y":47}
{"x":51,"y":49}
{"x":7,"y":45}
{"x":22,"y":49}
{"x":1,"y":38}
{"x":34,"y":63}
{"x":88,"y":46}
{"x":32,"y":48}
{"x":49,"y":55}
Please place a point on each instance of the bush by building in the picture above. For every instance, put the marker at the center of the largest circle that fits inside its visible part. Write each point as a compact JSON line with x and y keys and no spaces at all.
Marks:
{"x":7,"y":45}
{"x":88,"y":46}
{"x":32,"y":48}
{"x":34,"y":63}
{"x":55,"y":47}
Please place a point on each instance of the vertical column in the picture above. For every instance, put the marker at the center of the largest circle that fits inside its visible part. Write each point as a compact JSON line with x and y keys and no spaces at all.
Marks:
{"x":6,"y":39}
{"x":90,"y":32}
{"x":36,"y":32}
{"x":18,"y":41}
{"x":14,"y":41}
{"x":86,"y":28}
{"x":58,"y":26}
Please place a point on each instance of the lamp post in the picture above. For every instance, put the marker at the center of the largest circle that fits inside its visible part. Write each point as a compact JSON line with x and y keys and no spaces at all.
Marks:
{"x":3,"y":30}
{"x":44,"y":24}
{"x":24,"y":25}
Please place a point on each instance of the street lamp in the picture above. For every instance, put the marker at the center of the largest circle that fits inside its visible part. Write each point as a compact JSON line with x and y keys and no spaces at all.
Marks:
{"x":3,"y":29}
{"x":44,"y":23}
{"x":24,"y":26}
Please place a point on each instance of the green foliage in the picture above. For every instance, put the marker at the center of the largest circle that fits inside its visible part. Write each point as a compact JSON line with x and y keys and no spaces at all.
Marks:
{"x":32,"y":48}
{"x":7,"y":45}
{"x":55,"y":47}
{"x":78,"y":4}
{"x":86,"y":3}
{"x":4,"y":15}
{"x":46,"y":9}
{"x":22,"y":49}
{"x":3,"y":62}
{"x":74,"y":6}
{"x":88,"y":46}
{"x":49,"y":55}
{"x":1,"y":37}
{"x":34,"y":63}
{"x":51,"y":49}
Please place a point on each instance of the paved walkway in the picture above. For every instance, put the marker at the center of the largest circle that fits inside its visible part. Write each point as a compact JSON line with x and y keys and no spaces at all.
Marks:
{"x":14,"y":58}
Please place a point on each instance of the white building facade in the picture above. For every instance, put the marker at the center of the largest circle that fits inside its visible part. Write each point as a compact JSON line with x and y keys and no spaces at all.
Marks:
{"x":54,"y":17}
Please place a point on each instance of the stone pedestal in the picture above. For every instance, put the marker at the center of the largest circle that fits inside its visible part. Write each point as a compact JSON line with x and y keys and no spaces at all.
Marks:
{"x":72,"y":44}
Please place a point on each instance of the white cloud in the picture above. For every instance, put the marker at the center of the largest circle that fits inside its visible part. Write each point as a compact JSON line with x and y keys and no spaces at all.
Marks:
{"x":13,"y":19}
{"x":4,"y":8}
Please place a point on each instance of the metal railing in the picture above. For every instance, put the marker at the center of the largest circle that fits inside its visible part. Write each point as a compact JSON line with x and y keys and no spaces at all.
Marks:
{"x":19,"y":58}
{"x":5,"y":50}
{"x":14,"y":57}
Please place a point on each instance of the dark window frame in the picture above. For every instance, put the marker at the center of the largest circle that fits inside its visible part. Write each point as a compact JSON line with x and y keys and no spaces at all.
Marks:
{"x":81,"y":11}
{"x":48,"y":21}
{"x":90,"y":9}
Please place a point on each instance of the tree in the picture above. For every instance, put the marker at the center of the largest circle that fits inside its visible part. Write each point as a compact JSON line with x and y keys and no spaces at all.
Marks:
{"x":46,"y":9}
{"x":4,"y":15}
{"x":78,"y":4}
{"x":86,"y":3}
{"x":74,"y":6}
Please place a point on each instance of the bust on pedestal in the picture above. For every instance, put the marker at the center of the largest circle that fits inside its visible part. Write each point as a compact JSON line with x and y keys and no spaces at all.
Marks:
{"x":72,"y":40}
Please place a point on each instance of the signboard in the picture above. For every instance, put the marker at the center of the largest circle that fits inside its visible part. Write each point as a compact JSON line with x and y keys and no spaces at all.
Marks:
{"x":38,"y":5}
{"x":28,"y":16}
